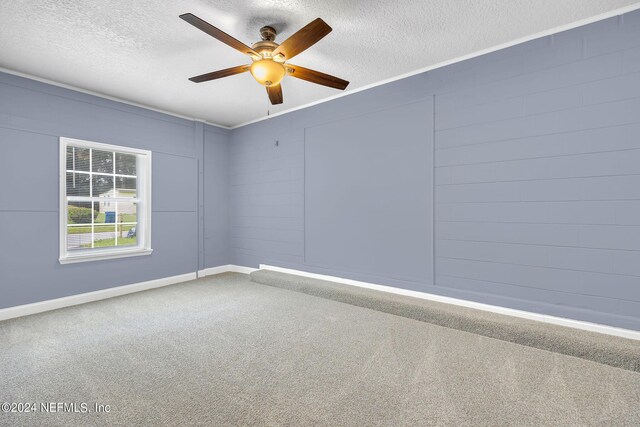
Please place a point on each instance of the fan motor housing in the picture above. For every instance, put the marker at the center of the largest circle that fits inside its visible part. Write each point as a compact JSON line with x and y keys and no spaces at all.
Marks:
{"x":265,"y":47}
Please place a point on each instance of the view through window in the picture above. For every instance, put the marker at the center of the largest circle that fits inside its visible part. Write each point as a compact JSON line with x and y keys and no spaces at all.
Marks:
{"x":104,"y":198}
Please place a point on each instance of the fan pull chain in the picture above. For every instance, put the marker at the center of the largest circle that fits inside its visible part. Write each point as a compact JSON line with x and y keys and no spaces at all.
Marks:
{"x":268,"y":108}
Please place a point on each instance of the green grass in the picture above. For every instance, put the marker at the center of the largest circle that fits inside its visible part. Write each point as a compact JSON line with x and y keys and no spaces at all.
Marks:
{"x":123,"y":241}
{"x":98,"y":229}
{"x":100,"y":226}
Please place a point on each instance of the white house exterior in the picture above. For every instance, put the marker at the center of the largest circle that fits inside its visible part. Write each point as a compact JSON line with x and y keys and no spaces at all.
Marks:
{"x":123,"y":208}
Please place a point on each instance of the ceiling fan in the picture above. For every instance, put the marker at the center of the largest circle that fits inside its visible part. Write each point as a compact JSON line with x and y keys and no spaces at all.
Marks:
{"x":269,"y":64}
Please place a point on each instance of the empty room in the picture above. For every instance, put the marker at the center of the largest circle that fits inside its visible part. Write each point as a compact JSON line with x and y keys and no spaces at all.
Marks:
{"x":320,"y":213}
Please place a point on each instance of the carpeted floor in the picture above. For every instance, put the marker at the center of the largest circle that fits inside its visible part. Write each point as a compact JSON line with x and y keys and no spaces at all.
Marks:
{"x":226,"y":351}
{"x":610,"y":350}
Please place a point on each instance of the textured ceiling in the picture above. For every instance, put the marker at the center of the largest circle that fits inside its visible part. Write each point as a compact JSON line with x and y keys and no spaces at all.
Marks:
{"x":140,"y":51}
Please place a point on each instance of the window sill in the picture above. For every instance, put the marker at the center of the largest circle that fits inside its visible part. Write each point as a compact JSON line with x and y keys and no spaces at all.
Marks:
{"x":104,"y":255}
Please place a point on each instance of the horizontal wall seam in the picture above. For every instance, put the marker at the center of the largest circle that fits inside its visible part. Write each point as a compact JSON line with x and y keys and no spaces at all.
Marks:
{"x":258,"y":239}
{"x":29,"y":210}
{"x":569,"y":224}
{"x":544,"y":113}
{"x":539,"y":244}
{"x":27,"y":130}
{"x":280,"y":181}
{"x":560,"y":178}
{"x":249,"y":227}
{"x":267,"y":216}
{"x":519,"y":159}
{"x":609,"y":273}
{"x":175,"y":121}
{"x":387,"y":107}
{"x":526,"y":94}
{"x":538,"y":201}
{"x":525,"y":73}
{"x":271,"y":252}
{"x":536,"y":288}
{"x":519,"y":138}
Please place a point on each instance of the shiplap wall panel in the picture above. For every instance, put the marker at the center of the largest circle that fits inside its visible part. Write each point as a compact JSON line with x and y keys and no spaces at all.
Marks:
{"x":33,"y":115}
{"x":267,"y":198}
{"x":538,"y":176}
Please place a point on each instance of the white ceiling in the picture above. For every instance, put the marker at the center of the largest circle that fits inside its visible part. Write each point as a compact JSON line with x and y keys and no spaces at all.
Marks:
{"x":141,"y":52}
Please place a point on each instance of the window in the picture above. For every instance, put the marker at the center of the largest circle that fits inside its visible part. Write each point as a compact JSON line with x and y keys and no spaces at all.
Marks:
{"x":105,"y":201}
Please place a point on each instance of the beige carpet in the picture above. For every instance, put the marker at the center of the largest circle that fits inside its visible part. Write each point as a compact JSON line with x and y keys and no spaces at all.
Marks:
{"x":226,"y":351}
{"x":610,"y":350}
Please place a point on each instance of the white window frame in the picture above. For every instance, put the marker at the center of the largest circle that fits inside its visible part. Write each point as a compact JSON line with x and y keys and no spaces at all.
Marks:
{"x":143,"y":227}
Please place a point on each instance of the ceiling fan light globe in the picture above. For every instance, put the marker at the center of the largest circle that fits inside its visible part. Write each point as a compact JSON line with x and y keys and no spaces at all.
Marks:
{"x":267,"y":72}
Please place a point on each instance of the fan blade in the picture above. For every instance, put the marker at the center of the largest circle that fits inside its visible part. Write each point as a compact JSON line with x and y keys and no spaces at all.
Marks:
{"x":275,"y":94}
{"x":306,"y":37}
{"x":316,"y":77}
{"x":219,"y":34}
{"x":220,"y":74}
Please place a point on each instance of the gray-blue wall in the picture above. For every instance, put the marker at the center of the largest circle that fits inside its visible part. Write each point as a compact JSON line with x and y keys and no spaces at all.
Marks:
{"x":510,"y":179}
{"x":215,"y":198}
{"x":33,"y":116}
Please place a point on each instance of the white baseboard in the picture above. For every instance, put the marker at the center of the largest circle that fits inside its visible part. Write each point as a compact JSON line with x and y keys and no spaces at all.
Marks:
{"x":225,"y":269}
{"x":241,"y":269}
{"x":39,"y":307}
{"x":213,"y":270}
{"x":577,"y":324}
